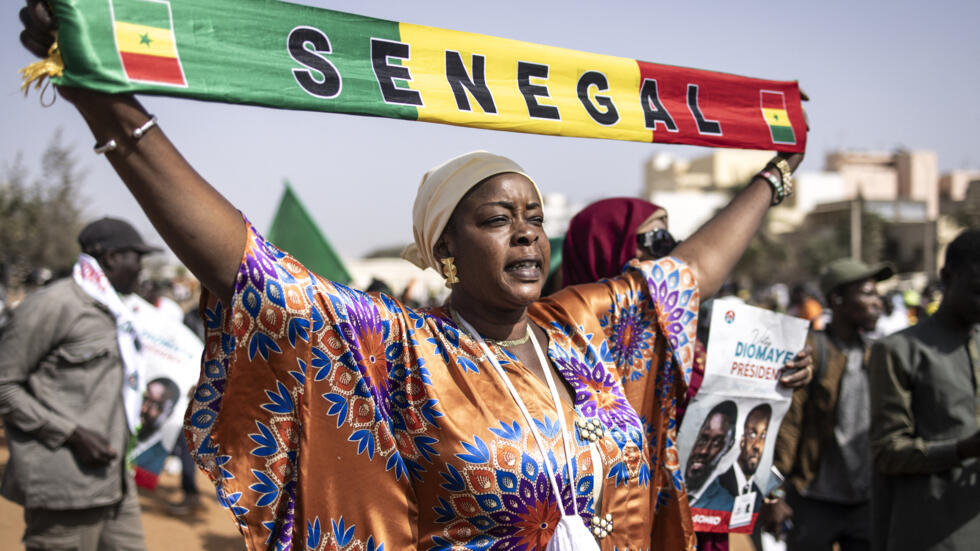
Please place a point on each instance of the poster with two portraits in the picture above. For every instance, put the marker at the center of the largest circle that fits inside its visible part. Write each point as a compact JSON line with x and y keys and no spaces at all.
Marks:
{"x":728,"y":434}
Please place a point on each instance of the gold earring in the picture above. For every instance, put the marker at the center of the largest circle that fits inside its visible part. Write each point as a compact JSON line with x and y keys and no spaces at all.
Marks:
{"x":449,"y":271}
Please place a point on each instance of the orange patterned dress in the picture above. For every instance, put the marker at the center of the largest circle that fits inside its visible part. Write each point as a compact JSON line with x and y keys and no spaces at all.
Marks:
{"x":329,"y":418}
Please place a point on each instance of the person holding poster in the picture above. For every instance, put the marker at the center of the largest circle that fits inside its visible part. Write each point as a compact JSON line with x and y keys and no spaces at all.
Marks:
{"x":742,"y":400}
{"x":823,"y":446}
{"x":332,"y":418}
{"x":605,"y":235}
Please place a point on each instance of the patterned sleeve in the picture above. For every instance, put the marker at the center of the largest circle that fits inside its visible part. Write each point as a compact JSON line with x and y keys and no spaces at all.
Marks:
{"x":290,"y":419}
{"x":665,"y":307}
{"x":648,"y":316}
{"x":671,"y":306}
{"x":644,"y":323}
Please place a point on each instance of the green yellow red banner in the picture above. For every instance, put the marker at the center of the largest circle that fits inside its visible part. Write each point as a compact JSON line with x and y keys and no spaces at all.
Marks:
{"x":289,"y":56}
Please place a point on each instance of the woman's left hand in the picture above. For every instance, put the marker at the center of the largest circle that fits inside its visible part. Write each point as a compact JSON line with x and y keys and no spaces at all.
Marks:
{"x":794,"y":159}
{"x":799,"y":370}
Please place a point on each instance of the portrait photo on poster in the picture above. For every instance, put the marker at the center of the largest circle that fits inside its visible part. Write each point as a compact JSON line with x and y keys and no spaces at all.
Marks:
{"x":159,"y":401}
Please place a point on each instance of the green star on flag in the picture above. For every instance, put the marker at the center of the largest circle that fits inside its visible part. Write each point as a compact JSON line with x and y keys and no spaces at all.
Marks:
{"x":144,"y":32}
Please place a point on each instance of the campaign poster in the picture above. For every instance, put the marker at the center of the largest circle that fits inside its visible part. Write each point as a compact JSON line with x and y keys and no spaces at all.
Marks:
{"x":171,"y":366}
{"x":728,"y":434}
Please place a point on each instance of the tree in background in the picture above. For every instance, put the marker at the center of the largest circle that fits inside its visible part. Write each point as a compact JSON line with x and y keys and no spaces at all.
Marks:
{"x":832,"y":240}
{"x":40,"y":217}
{"x":764,"y":261}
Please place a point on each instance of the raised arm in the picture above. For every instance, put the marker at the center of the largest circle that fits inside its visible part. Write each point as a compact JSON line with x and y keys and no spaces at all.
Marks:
{"x":203,"y":229}
{"x":715,"y":248}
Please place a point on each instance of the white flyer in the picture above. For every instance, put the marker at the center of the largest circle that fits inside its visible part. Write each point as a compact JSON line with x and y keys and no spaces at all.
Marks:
{"x":172,"y":361}
{"x":728,"y":433}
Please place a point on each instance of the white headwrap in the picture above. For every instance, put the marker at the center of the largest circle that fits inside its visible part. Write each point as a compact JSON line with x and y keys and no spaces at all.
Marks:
{"x":441,"y":189}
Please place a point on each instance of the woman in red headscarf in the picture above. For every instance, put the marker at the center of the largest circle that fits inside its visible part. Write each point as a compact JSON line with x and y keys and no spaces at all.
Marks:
{"x":602,"y":238}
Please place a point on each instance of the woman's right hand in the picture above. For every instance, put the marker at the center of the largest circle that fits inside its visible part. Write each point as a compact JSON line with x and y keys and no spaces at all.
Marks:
{"x":40,"y":32}
{"x":204,"y":230}
{"x":39,"y":27}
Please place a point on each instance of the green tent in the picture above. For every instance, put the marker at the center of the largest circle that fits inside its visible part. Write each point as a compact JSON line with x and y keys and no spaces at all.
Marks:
{"x":293,"y":230}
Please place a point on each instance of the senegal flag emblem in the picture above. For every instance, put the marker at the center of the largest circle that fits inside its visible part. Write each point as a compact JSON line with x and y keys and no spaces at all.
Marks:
{"x":144,"y":32}
{"x":774,"y":111}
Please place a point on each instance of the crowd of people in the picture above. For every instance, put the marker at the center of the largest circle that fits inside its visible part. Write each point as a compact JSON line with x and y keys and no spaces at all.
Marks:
{"x":510,"y":416}
{"x":869,"y":420}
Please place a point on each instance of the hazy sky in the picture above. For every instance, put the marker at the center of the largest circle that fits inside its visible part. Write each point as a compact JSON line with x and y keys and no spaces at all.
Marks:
{"x":881,"y":75}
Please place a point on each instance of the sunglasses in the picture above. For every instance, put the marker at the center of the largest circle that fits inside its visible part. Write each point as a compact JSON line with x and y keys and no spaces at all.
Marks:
{"x":657,"y":242}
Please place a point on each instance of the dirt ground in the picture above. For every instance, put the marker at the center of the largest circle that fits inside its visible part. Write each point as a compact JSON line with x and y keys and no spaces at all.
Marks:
{"x":208,"y":529}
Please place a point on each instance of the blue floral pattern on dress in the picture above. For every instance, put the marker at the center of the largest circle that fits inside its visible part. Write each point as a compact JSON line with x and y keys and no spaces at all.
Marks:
{"x":317,"y":402}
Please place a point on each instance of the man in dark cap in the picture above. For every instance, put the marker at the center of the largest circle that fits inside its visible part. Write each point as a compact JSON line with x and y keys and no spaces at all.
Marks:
{"x":925,"y":418}
{"x":823,"y":446}
{"x":69,"y":398}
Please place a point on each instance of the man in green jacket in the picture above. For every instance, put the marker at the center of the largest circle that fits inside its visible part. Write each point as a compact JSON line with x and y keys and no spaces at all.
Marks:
{"x":822,"y":446}
{"x":68,"y":378}
{"x":925,"y":418}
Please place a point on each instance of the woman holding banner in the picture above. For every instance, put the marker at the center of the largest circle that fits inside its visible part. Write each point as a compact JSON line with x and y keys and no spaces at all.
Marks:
{"x":338,"y":419}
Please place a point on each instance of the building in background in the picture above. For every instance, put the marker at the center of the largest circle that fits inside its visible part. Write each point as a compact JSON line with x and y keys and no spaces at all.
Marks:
{"x":871,"y":205}
{"x":907,"y":175}
{"x":900,"y":192}
{"x":558,"y":211}
{"x":692,"y":190}
{"x":960,"y":185}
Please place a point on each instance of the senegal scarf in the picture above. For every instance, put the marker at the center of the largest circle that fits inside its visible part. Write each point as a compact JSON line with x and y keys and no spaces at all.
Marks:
{"x":276,"y":54}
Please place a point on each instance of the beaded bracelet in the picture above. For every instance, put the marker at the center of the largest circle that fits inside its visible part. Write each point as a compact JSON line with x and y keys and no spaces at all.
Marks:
{"x":138,"y":133}
{"x":785,"y":171}
{"x":778,"y":189}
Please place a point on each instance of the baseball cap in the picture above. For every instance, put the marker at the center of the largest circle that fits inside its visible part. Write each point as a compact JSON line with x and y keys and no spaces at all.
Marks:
{"x":847,"y":270}
{"x":112,"y":234}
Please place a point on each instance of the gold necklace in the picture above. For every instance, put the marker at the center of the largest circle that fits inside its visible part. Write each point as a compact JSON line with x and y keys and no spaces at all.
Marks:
{"x":511,"y":342}
{"x":501,"y":343}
